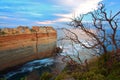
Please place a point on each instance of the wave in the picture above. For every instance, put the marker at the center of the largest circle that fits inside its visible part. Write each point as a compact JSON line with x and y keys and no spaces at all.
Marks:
{"x":30,"y":66}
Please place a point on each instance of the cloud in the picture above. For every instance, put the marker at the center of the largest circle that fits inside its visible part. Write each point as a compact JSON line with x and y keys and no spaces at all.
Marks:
{"x":112,"y":4}
{"x":53,"y":21}
{"x":78,"y":6}
{"x":12,"y":18}
{"x":44,"y":11}
{"x":30,"y":13}
{"x":44,"y":22}
{"x":69,"y":15}
{"x":5,"y":7}
{"x":4,"y":17}
{"x":63,"y":20}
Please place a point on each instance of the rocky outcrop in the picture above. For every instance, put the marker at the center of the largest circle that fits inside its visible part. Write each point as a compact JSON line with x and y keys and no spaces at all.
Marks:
{"x":22,"y":44}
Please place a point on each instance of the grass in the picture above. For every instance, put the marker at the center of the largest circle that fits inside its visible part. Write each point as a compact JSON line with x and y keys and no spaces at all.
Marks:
{"x":101,"y":68}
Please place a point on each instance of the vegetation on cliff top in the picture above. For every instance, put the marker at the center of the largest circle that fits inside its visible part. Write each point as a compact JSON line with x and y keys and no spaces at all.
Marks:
{"x":104,"y":38}
{"x":99,"y":69}
{"x":107,"y":65}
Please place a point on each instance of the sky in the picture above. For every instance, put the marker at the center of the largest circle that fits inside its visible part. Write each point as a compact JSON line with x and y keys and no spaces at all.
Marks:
{"x":54,"y":13}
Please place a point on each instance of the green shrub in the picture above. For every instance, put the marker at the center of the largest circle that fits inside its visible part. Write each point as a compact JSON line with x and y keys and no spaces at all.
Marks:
{"x":24,"y":78}
{"x":32,"y":30}
{"x":103,"y":71}
{"x":3,"y":79}
{"x":46,"y":76}
{"x":102,"y":60}
{"x":77,"y":75}
{"x":92,"y":76}
{"x":115,"y":72}
{"x":113,"y":76}
{"x":2,"y":33}
{"x":62,"y":76}
{"x":98,"y":70}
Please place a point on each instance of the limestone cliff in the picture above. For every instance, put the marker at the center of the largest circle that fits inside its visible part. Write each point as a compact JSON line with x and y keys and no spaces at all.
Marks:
{"x":22,"y":44}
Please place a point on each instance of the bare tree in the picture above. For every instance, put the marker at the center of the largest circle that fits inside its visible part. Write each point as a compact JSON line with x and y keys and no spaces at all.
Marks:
{"x":102,"y":35}
{"x":102,"y":31}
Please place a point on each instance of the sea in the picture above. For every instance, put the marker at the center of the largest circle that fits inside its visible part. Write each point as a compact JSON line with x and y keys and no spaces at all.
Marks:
{"x":55,"y":64}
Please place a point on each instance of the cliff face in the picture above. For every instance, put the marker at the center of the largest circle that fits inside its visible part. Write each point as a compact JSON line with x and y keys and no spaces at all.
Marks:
{"x":20,"y":48}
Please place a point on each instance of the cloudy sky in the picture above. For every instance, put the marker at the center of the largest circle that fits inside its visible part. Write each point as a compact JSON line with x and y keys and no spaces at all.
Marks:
{"x":47,"y":12}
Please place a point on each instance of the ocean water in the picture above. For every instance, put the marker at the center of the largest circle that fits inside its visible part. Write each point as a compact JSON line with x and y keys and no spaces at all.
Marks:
{"x":37,"y":67}
{"x":28,"y":68}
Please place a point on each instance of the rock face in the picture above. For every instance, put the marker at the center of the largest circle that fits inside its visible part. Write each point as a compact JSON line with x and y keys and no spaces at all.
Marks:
{"x":20,"y":45}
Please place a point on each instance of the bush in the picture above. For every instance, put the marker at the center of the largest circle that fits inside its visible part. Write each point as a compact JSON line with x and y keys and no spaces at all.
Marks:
{"x":24,"y":78}
{"x":115,"y":72}
{"x":98,"y":70}
{"x":62,"y":76}
{"x":2,"y":33}
{"x":76,"y":75}
{"x":2,"y":79}
{"x":32,"y":30}
{"x":92,"y":76}
{"x":46,"y":76}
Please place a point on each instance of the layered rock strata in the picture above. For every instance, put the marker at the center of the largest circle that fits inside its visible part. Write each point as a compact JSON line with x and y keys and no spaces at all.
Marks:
{"x":21,"y":45}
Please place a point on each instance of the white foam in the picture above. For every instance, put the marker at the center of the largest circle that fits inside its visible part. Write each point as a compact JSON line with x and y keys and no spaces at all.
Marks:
{"x":30,"y":66}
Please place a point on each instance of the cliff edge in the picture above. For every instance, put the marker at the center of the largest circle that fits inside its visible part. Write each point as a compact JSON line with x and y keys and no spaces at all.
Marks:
{"x":21,"y":44}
